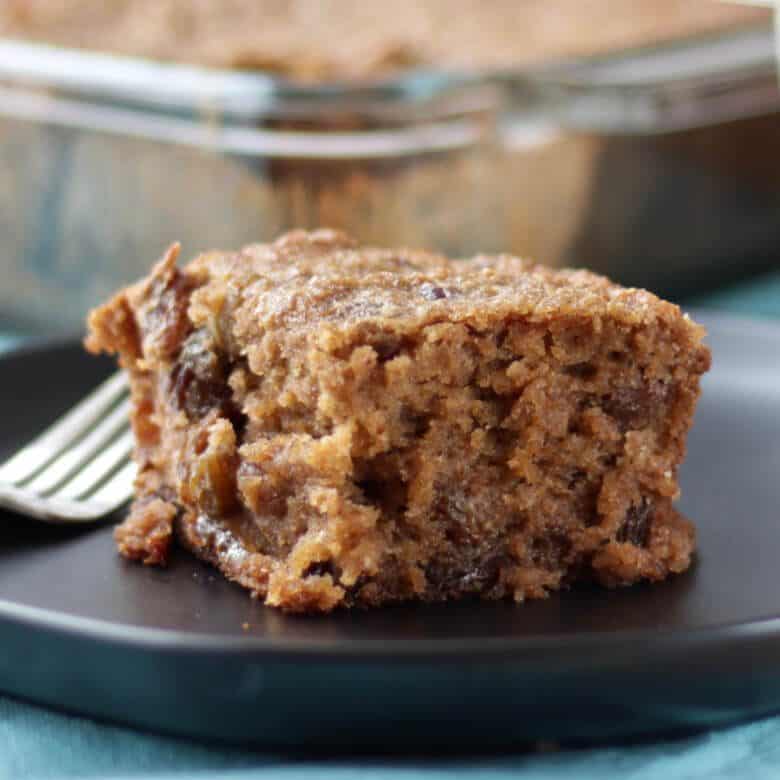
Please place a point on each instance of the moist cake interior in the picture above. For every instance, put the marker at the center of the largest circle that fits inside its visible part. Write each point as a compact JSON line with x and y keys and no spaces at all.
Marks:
{"x":331,"y":425}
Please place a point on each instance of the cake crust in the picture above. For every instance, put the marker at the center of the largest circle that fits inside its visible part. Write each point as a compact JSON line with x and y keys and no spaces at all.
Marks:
{"x":334,"y":425}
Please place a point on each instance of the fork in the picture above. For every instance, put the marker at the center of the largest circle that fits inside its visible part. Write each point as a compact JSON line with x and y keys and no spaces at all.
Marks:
{"x":79,"y":469}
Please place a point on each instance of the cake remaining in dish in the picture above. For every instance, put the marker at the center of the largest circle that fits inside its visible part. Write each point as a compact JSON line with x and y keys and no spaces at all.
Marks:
{"x":336,"y":425}
{"x":334,"y":40}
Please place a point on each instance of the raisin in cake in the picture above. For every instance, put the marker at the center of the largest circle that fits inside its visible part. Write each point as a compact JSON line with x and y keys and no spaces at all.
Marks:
{"x":333,"y":425}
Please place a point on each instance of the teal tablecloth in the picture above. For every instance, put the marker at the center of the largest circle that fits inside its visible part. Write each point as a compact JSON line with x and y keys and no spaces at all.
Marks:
{"x":36,"y":743}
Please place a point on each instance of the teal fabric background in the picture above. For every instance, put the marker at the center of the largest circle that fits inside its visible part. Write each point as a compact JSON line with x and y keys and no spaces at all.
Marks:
{"x":37,"y":744}
{"x":7,"y":341}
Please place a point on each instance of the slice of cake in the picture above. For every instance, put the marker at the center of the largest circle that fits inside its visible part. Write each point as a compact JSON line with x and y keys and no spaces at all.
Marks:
{"x":336,"y":425}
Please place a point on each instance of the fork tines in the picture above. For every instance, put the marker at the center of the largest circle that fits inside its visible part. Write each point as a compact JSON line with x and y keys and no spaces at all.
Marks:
{"x":79,"y":468}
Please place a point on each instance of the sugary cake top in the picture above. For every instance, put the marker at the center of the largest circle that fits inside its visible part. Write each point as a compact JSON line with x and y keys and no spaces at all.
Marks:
{"x":313,"y":283}
{"x":353,"y":39}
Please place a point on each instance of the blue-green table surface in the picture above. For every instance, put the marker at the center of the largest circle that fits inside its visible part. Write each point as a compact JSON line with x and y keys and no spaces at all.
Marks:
{"x":37,"y":743}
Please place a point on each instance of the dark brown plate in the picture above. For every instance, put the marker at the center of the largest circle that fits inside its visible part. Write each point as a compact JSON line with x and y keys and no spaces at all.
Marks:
{"x":168,"y":649}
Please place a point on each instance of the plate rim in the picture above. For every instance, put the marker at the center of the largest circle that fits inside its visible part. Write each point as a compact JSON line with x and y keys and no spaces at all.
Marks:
{"x":656,"y":643}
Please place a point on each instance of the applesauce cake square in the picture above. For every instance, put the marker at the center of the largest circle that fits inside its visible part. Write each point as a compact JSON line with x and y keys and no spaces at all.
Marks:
{"x":334,"y":425}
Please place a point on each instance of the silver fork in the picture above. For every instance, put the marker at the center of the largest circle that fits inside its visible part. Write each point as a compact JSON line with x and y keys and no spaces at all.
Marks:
{"x":78,"y":470}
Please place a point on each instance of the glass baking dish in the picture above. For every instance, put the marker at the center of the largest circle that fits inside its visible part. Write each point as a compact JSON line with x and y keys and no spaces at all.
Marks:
{"x":654,"y":166}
